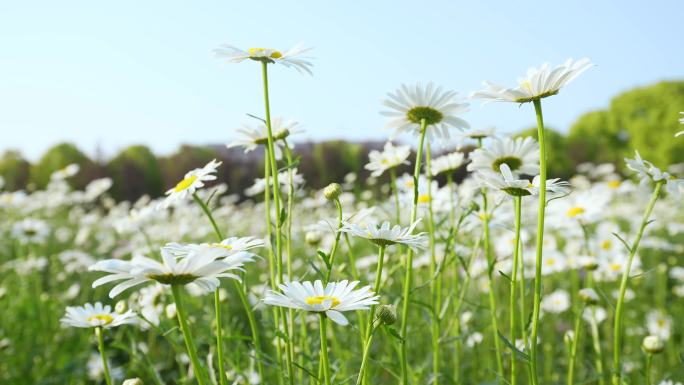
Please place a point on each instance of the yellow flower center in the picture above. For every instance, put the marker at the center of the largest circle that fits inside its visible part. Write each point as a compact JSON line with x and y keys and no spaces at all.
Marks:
{"x":615,"y":266}
{"x":606,"y":245}
{"x":317,"y":300}
{"x":221,"y":245}
{"x":105,"y":318}
{"x":262,"y":51}
{"x":575,"y":211}
{"x":526,"y":85}
{"x":185,"y":183}
{"x":550,"y":261}
{"x":614,"y":184}
{"x":423,"y":198}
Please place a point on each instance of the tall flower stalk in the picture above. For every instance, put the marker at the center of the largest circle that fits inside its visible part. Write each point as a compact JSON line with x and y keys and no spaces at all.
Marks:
{"x":617,"y":326}
{"x":517,"y":203}
{"x":187,"y":334}
{"x":435,"y":276}
{"x":99,"y":332}
{"x":539,"y":243}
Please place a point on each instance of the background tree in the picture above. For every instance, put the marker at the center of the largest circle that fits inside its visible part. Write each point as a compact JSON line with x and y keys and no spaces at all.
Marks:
{"x":135,"y":171}
{"x":60,"y":156}
{"x":15,"y":170}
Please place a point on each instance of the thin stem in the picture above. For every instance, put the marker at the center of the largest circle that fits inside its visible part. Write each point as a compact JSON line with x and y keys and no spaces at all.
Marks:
{"x":573,"y":348}
{"x":517,"y":203}
{"x":617,"y":327}
{"x":189,"y":343}
{"x":217,"y":306}
{"x":649,"y":364}
{"x":370,"y":329}
{"x":491,"y":293}
{"x":366,"y":354}
{"x":276,"y":199}
{"x":435,"y":282}
{"x":333,"y":251}
{"x":409,"y":260}
{"x":324,"y":348}
{"x":395,"y":192}
{"x":540,"y":243}
{"x":99,"y":331}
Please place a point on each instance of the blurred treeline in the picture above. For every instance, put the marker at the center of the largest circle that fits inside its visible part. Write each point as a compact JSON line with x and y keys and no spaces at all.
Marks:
{"x":643,"y":118}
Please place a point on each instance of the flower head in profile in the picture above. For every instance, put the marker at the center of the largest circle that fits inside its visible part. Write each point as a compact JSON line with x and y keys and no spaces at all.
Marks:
{"x":521,"y":155}
{"x":333,"y":299}
{"x":447,"y":163}
{"x":505,"y":181}
{"x":384,"y":235}
{"x":647,"y":172}
{"x":193,"y":180}
{"x":226,"y":248}
{"x":390,"y":157}
{"x":202,"y":269}
{"x":292,"y":58}
{"x":537,"y":84}
{"x":92,"y":316}
{"x":411,"y":105}
{"x":253,"y":137}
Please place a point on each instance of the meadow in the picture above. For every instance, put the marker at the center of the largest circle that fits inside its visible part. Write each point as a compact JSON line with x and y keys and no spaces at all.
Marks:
{"x":509,"y":276}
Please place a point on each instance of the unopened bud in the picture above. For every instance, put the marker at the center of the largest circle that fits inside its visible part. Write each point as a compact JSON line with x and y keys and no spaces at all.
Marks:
{"x":121,"y":307}
{"x":653,"y":345}
{"x":589,"y":296}
{"x":569,"y":337}
{"x":332,"y":191}
{"x":312,"y":238}
{"x":387,"y":314}
{"x":170,"y":310}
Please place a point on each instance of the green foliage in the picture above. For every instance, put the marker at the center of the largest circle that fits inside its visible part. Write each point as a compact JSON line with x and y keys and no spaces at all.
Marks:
{"x":135,"y":171}
{"x":174,"y":166}
{"x":559,"y":166}
{"x":643,"y":119}
{"x":15,"y":170}
{"x":58,"y":157}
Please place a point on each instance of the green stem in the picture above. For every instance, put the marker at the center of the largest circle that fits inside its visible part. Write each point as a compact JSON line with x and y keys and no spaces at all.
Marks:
{"x":324,"y":348}
{"x":370,"y":329}
{"x":366,"y":354}
{"x":333,"y":251}
{"x":575,"y":342}
{"x":99,"y":331}
{"x":517,"y":203}
{"x":491,"y":293}
{"x":649,"y":364}
{"x":217,"y":306}
{"x":617,"y":327}
{"x":276,"y":199}
{"x":189,"y":343}
{"x":409,"y":261}
{"x":540,"y":243}
{"x":435,"y":281}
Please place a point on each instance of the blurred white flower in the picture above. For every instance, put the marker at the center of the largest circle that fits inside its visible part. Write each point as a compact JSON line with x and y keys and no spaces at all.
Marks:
{"x":292,"y":58}
{"x":193,"y":180}
{"x":390,"y":157}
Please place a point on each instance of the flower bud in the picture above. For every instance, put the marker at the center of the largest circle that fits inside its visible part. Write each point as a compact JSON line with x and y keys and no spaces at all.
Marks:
{"x":170,"y":310}
{"x":569,"y":337}
{"x":387,"y":314}
{"x":133,"y":381}
{"x":589,"y":296}
{"x":653,"y":345}
{"x":590,"y":264}
{"x":312,"y":238}
{"x":332,"y":191}
{"x":121,"y":307}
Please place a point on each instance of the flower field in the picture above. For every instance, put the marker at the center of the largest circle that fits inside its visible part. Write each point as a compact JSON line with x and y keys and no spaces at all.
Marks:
{"x":510,"y":276}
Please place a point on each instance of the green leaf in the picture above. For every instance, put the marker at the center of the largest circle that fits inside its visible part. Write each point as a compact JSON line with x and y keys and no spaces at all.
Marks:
{"x":629,"y":249}
{"x":394,"y":333}
{"x":521,"y":356}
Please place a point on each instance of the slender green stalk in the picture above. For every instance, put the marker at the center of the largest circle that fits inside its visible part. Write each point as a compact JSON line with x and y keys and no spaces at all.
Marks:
{"x":617,"y":326}
{"x":278,"y":217}
{"x":288,"y":238}
{"x":99,"y":332}
{"x":573,"y":347}
{"x":596,"y":345}
{"x":435,"y":282}
{"x":540,"y":243}
{"x":649,"y":364}
{"x":333,"y":250}
{"x":185,"y":329}
{"x":217,"y":306}
{"x":370,"y":329}
{"x":491,"y":293}
{"x":406,"y":299}
{"x":325,"y":362}
{"x":517,"y":203}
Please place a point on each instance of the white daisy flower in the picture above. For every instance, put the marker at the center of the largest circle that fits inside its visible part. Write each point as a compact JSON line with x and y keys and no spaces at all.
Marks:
{"x":30,"y":230}
{"x":447,"y":163}
{"x":335,"y":298}
{"x":91,"y":316}
{"x":193,"y":180}
{"x":647,"y":172}
{"x":66,"y":172}
{"x":669,"y":382}
{"x":521,"y":155}
{"x":291,"y":58}
{"x":390,"y":157}
{"x":478,"y":133}
{"x":201,"y":269}
{"x":659,"y":324}
{"x":383,"y":235}
{"x":505,"y":181}
{"x":409,"y":105}
{"x":283,"y":179}
{"x":556,"y":302}
{"x":252,"y":137}
{"x":537,"y":84}
{"x":594,"y":314}
{"x":227,"y":247}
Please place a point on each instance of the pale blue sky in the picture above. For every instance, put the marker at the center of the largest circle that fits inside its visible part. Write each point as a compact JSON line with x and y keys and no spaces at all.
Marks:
{"x":110,"y":74}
